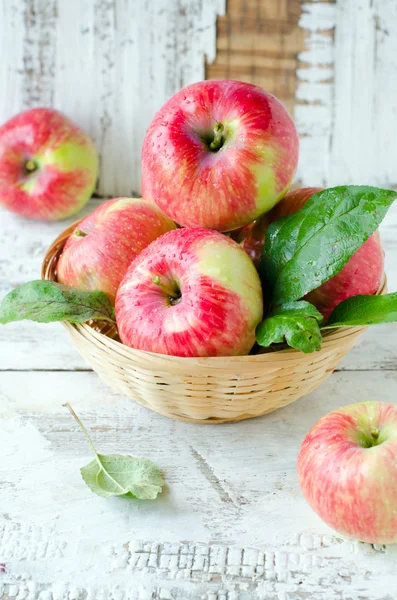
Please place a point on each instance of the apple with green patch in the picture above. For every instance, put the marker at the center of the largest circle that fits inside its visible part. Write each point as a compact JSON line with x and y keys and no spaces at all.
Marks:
{"x":99,"y":251}
{"x":192,"y":292}
{"x":48,"y":165}
{"x":347,"y":468}
{"x":218,"y":154}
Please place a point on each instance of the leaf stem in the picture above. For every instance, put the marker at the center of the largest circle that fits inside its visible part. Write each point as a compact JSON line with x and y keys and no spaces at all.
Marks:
{"x":167,"y":289}
{"x":87,"y":435}
{"x":80,"y":233}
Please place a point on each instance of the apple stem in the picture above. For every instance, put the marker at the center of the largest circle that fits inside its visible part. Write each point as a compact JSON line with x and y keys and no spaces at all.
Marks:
{"x":80,"y":233}
{"x":30,"y":166}
{"x":218,"y":140}
{"x":170,"y":292}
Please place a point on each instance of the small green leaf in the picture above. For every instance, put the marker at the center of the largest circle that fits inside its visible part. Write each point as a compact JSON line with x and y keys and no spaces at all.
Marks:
{"x":120,"y":475}
{"x":46,"y":301}
{"x":296,"y":323}
{"x":123,"y":475}
{"x":308,"y":247}
{"x":364,"y":310}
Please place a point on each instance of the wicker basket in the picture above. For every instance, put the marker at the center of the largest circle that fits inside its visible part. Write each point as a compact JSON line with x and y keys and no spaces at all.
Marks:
{"x":204,"y":390}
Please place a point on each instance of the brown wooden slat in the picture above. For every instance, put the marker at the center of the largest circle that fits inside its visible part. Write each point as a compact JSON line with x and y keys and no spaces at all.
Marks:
{"x":258,"y":41}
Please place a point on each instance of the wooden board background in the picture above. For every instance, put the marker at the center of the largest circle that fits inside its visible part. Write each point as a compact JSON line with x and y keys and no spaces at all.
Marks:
{"x":111,"y":64}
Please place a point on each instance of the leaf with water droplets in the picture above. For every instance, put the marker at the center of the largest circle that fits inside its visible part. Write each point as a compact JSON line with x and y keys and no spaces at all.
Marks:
{"x":308,"y":247}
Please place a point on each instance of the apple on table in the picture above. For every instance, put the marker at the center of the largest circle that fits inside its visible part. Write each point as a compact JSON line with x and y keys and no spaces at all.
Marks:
{"x":48,"y":165}
{"x":347,"y":469}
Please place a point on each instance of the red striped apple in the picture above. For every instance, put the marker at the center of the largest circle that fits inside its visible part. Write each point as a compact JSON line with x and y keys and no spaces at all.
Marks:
{"x":192,"y":292}
{"x":101,"y":248}
{"x":347,"y":469}
{"x":362,"y":274}
{"x":48,"y":165}
{"x":218,"y":154}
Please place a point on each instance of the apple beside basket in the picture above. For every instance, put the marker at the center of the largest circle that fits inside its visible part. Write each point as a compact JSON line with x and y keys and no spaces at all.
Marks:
{"x":203,"y":390}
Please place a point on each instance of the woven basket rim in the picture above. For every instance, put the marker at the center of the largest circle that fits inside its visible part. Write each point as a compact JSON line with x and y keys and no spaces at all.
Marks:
{"x":330,"y":338}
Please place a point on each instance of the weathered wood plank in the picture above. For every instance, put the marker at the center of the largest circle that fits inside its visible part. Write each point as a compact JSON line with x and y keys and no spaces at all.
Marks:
{"x":231,"y":487}
{"x":346,"y":94}
{"x":108,"y":65}
{"x":259,"y":42}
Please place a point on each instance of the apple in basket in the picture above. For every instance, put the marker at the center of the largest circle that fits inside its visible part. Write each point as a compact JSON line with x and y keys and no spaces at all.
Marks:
{"x":362,"y":274}
{"x":101,"y":248}
{"x":347,"y":469}
{"x":192,"y":292}
{"x":48,"y":165}
{"x":218,"y":154}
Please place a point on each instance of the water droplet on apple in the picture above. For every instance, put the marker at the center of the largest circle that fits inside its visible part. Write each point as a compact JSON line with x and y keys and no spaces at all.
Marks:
{"x":164,"y":123}
{"x":316,"y":446}
{"x":159,"y":134}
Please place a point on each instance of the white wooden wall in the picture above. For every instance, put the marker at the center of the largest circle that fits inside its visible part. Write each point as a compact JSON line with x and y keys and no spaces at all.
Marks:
{"x":347,"y":93}
{"x":111,"y":64}
{"x":108,"y":64}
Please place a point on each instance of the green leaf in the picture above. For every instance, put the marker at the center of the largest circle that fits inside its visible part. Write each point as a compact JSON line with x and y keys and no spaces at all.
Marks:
{"x":296,"y":323}
{"x":46,"y":301}
{"x":364,"y":310}
{"x":308,"y":247}
{"x":120,"y":474}
{"x":123,"y":475}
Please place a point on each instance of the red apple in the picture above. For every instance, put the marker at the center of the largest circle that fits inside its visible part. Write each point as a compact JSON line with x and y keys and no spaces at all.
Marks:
{"x":347,"y":469}
{"x":219,"y":154}
{"x":192,"y":292}
{"x":362,"y":274}
{"x":98,"y":253}
{"x":48,"y":165}
{"x":252,"y":238}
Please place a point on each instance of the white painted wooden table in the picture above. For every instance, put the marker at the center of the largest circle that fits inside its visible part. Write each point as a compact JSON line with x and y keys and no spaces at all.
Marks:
{"x":231,"y":523}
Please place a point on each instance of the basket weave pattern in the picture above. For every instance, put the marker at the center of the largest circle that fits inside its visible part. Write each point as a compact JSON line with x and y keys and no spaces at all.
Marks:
{"x":203,"y":390}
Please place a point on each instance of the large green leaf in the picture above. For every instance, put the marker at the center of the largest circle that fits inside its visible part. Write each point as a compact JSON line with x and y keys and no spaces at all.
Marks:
{"x":46,"y":301}
{"x":313,"y":244}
